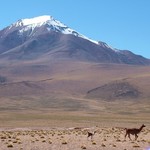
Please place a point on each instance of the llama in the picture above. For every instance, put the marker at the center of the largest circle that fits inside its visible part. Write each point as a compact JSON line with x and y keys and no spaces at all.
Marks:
{"x":90,"y":134}
{"x":134,"y":131}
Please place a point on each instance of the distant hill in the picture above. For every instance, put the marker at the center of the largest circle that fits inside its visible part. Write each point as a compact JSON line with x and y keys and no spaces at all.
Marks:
{"x":114,"y":90}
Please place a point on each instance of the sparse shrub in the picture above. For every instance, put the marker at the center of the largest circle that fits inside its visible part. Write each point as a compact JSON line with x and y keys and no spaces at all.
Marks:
{"x":32,"y":141}
{"x":44,"y":141}
{"x":10,"y":146}
{"x":93,"y":142}
{"x":103,"y":145}
{"x":62,"y":136}
{"x":64,"y":142}
{"x":32,"y":135}
{"x":36,"y":139}
{"x":143,"y":140}
{"x":19,"y":142}
{"x":59,"y":134}
{"x":83,"y":147}
{"x":136,"y":146}
{"x":15,"y":141}
{"x":118,"y":140}
{"x":3,"y":137}
{"x":6,"y":143}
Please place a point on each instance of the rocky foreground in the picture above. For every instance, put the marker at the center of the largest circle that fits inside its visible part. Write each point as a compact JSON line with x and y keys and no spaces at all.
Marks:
{"x":71,"y":139}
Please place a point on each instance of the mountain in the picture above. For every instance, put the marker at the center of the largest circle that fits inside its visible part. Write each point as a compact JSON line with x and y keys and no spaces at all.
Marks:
{"x":44,"y":38}
{"x":46,"y":66}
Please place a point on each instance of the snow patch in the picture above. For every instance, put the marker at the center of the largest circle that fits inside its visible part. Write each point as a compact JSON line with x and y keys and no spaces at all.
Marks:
{"x":52,"y":24}
{"x":35,"y":20}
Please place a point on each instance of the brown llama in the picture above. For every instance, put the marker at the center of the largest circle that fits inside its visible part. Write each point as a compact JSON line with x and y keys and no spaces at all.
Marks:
{"x":90,"y":134}
{"x":134,"y":131}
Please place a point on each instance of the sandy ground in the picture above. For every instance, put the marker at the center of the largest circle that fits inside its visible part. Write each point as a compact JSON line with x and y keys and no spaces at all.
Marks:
{"x":105,"y":138}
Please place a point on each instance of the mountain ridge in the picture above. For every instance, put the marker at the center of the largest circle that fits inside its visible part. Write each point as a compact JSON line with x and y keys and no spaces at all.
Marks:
{"x":37,"y":37}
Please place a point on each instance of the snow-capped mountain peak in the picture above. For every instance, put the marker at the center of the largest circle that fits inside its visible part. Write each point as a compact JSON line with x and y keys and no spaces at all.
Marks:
{"x":36,"y":20}
{"x":48,"y":38}
{"x":51,"y":24}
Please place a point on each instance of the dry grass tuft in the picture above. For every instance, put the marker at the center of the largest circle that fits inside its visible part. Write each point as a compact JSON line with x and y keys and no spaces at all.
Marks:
{"x":106,"y":138}
{"x":103,"y":145}
{"x":10,"y":145}
{"x":64,"y":142}
{"x":83,"y":147}
{"x":93,"y":142}
{"x":136,"y":146}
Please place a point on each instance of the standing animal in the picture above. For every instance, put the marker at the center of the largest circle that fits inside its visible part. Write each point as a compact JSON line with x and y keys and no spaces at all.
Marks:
{"x":134,"y":131}
{"x":90,"y":134}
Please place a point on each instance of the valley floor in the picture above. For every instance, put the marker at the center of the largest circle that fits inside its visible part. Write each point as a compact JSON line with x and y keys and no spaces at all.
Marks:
{"x":105,"y":138}
{"x":32,"y":130}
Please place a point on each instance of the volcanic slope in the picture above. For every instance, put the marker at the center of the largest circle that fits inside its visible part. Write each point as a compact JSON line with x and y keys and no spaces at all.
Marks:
{"x":45,"y":66}
{"x":46,"y":38}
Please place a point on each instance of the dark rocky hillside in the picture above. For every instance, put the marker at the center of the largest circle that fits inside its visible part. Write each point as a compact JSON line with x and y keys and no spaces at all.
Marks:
{"x":114,"y":91}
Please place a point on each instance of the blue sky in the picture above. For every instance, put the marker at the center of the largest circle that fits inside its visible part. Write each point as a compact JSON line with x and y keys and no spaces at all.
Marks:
{"x":122,"y":24}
